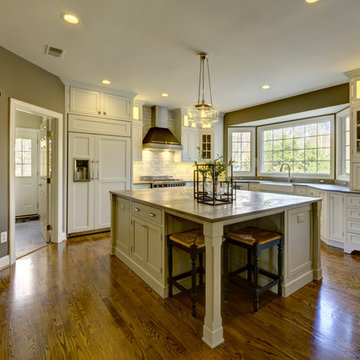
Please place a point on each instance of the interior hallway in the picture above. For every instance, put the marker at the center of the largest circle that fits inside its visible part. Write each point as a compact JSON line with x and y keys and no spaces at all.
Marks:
{"x":75,"y":301}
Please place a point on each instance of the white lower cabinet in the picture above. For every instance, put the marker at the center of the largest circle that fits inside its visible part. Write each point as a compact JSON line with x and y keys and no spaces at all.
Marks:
{"x":335,"y":217}
{"x":138,"y":241}
{"x":109,"y":169}
{"x":352,"y":223}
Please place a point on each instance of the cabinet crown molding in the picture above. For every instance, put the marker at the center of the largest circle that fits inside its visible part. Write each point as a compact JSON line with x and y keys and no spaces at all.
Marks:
{"x":99,"y":88}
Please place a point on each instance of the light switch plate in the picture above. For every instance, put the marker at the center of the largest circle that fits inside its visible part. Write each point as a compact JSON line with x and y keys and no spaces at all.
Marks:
{"x":300,"y":218}
{"x":3,"y":237}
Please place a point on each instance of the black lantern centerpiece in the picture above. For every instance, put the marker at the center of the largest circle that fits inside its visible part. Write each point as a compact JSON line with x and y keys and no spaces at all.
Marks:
{"x":213,"y":182}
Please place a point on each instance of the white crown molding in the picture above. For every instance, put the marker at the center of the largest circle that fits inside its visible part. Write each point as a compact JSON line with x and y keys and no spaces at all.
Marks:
{"x":105,"y":89}
{"x":352,"y":73}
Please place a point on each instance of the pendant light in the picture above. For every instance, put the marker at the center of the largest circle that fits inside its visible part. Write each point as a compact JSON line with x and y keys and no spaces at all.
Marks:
{"x":203,"y":113}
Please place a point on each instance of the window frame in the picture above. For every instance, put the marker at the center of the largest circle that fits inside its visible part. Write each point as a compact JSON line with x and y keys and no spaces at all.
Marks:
{"x":252,"y":131}
{"x":260,"y":143}
{"x":341,"y":143}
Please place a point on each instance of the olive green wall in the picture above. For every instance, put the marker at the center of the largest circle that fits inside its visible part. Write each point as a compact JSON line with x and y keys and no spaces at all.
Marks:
{"x":27,"y":82}
{"x":335,"y":95}
{"x":332,"y":96}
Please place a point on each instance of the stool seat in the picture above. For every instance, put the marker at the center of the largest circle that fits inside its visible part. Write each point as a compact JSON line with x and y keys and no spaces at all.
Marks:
{"x":251,"y":235}
{"x":189,"y":238}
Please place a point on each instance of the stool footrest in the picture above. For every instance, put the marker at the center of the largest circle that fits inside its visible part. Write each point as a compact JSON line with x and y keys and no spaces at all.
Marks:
{"x":259,"y":290}
{"x":186,"y":274}
{"x":241,"y":270}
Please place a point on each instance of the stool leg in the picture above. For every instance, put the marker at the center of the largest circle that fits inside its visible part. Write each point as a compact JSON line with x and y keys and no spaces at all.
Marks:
{"x":201,"y":272}
{"x":193,"y":281}
{"x":226,"y":270}
{"x":256,"y":277}
{"x":249,"y":264}
{"x":170,"y":265}
{"x":280,"y":255}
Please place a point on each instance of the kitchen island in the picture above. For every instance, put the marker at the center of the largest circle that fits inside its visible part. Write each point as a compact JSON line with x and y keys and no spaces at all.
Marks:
{"x":141,"y":220}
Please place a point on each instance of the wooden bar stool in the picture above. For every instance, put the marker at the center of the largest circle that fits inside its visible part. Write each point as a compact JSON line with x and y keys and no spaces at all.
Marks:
{"x":193,"y":243}
{"x":254,"y":240}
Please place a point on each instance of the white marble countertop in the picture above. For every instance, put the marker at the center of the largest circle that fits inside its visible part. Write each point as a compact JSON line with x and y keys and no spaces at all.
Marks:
{"x":182,"y":200}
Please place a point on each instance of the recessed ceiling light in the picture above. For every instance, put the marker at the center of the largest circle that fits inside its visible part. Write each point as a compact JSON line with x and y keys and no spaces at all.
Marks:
{"x":106,"y":82}
{"x":311,"y":1}
{"x":164,"y":94}
{"x":70,"y":18}
{"x":266,"y":87}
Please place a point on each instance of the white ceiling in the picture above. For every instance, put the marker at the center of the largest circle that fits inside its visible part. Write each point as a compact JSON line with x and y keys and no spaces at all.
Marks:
{"x":150,"y":46}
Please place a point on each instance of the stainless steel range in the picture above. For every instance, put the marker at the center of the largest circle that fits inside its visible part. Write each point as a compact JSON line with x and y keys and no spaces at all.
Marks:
{"x":162,"y":181}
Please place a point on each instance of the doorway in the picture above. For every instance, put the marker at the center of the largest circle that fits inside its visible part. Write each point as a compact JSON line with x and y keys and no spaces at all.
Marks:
{"x":35,"y":178}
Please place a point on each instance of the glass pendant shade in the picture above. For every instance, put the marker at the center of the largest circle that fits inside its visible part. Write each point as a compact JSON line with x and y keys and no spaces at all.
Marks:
{"x":203,"y":113}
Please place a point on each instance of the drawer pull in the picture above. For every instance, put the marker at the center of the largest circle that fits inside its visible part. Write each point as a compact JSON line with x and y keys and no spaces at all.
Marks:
{"x":136,"y":209}
{"x":152,"y":214}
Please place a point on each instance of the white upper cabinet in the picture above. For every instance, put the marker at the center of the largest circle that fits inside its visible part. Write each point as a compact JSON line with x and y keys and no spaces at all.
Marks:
{"x":91,"y":102}
{"x":116,"y":107}
{"x":190,"y":143}
{"x":137,"y":131}
{"x":84,"y":101}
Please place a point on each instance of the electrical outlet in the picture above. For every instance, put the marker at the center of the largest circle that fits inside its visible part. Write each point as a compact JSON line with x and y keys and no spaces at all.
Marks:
{"x":3,"y":237}
{"x":300,"y":218}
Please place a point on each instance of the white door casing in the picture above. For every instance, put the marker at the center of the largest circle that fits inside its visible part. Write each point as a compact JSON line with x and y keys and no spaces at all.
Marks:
{"x":26,"y":187}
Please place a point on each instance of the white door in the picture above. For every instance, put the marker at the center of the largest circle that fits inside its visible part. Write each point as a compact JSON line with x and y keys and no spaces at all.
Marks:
{"x":45,"y":174}
{"x":80,"y":194}
{"x":26,"y":172}
{"x":112,"y":172}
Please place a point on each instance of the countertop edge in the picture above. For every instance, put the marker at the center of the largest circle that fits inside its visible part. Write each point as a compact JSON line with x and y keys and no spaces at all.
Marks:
{"x":129,"y":197}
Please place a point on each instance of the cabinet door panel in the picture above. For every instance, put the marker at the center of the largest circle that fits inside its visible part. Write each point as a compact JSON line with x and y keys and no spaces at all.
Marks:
{"x":112,"y":172}
{"x":84,"y":101}
{"x":190,"y":142}
{"x":122,"y":230}
{"x":139,"y":238}
{"x":80,"y":194}
{"x":116,"y":107}
{"x":154,"y":250}
{"x":335,"y":214}
{"x":137,"y":139}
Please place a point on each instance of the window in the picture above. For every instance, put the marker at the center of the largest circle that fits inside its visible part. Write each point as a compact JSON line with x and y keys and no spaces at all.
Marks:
{"x":306,"y":145}
{"x":343,"y":145}
{"x":22,"y":157}
{"x":242,"y":150}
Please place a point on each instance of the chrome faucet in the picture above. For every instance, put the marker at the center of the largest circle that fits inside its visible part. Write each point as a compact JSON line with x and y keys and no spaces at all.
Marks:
{"x":281,"y":169}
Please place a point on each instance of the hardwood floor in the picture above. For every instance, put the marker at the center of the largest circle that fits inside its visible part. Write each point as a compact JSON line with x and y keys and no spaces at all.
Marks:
{"x":74,"y":301}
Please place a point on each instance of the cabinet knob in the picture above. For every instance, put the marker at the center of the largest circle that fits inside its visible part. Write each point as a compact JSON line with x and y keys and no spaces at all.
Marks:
{"x":99,"y":112}
{"x":104,"y":113}
{"x":151,"y":214}
{"x":137,"y":209}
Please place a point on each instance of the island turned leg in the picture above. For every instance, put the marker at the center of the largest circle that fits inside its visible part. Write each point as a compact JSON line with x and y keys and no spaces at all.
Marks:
{"x":213,"y":330}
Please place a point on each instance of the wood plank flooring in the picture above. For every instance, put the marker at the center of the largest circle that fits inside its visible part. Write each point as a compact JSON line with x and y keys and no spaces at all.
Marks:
{"x":74,"y":301}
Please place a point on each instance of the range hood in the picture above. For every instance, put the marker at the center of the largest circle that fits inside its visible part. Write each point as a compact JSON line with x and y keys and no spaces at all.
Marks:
{"x":159,"y":137}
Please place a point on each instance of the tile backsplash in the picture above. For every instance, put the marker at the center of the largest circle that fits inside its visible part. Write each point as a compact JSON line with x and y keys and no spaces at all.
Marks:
{"x":158,"y":163}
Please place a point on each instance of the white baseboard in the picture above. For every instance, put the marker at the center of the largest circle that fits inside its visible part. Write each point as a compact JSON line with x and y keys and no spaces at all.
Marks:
{"x":296,"y":284}
{"x":4,"y":261}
